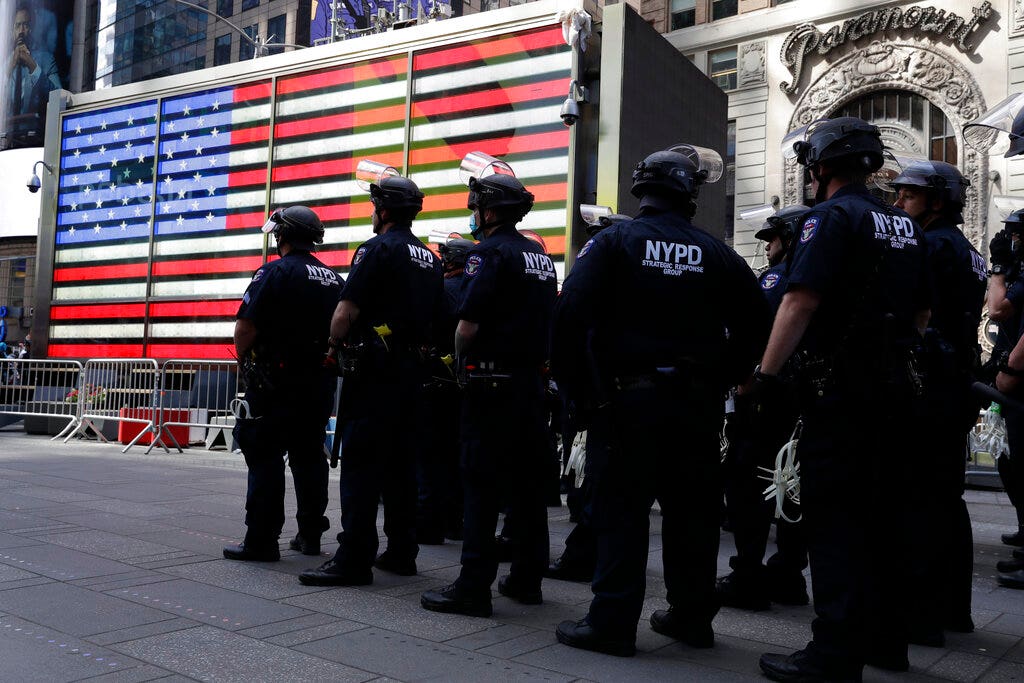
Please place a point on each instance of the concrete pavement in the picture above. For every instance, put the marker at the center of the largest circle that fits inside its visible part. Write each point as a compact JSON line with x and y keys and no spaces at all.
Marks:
{"x":111,"y":570}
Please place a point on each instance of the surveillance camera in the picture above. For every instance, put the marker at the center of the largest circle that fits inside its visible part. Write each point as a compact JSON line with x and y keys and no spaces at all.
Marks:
{"x":33,"y":184}
{"x":570,"y":112}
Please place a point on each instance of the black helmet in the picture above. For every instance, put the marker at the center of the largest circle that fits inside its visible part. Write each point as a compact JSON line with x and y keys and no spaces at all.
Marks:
{"x":845,"y":137}
{"x":784,"y":223}
{"x":299,"y":226}
{"x":667,"y":172}
{"x":396,"y":192}
{"x":1016,"y":136}
{"x":453,"y":252}
{"x":943,"y":180}
{"x":499,"y":190}
{"x":1015,"y":222}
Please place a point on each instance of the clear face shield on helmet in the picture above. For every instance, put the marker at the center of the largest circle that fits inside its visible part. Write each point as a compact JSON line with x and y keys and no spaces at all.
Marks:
{"x":708,"y":162}
{"x":370,"y":173}
{"x":994,"y":131}
{"x":477,"y":166}
{"x":755,"y":219}
{"x":892,"y":168}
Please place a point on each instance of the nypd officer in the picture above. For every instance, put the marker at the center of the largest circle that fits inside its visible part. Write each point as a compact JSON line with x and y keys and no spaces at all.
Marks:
{"x":282,"y":325}
{"x":859,"y":387}
{"x":382,"y":321}
{"x":502,"y":345}
{"x":752,"y":584}
{"x":649,"y":297}
{"x":439,"y":510}
{"x":933,"y":193}
{"x":1005,"y":300}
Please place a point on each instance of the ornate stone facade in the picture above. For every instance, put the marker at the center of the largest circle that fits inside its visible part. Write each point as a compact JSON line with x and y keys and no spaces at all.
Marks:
{"x":751,"y":64}
{"x":916,"y":67}
{"x":1017,"y":25}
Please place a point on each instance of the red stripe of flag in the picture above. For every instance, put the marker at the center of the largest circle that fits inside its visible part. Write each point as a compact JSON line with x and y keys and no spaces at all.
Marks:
{"x":514,"y":144}
{"x":334,"y":167}
{"x":378,"y":70}
{"x":491,"y":98}
{"x":252,"y":219}
{"x":241,"y":178}
{"x":94,"y":351}
{"x":451,"y":57}
{"x":457,"y":200}
{"x":340,"y":258}
{"x":234,"y":264}
{"x":97,"y":311}
{"x":341,"y":122}
{"x":219,"y":351}
{"x":242,"y":136}
{"x":119,"y":272}
{"x":344,"y":212}
{"x":255,"y":91}
{"x":194,"y":309}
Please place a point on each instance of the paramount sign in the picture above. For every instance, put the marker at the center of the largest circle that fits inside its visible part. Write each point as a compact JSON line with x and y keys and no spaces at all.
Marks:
{"x":806,"y":38}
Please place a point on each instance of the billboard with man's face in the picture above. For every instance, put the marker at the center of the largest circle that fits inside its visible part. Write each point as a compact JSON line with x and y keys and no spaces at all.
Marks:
{"x":36,"y":37}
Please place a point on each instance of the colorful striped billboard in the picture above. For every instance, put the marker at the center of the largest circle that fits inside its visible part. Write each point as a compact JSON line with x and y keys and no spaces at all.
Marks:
{"x":160,"y":202}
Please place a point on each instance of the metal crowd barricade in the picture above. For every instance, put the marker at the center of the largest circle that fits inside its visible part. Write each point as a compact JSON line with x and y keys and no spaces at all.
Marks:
{"x":121,"y":391}
{"x":43,"y":392}
{"x":195,"y":394}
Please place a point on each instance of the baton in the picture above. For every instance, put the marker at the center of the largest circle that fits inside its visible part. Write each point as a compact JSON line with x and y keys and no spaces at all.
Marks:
{"x":990,"y":393}
{"x":336,"y":441}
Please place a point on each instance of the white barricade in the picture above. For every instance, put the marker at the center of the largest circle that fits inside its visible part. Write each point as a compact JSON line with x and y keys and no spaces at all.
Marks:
{"x":41,"y":391}
{"x":118,"y":392}
{"x":195,"y":395}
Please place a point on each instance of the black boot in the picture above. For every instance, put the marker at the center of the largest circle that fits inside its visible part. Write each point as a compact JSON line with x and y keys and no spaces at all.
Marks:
{"x":733,"y":591}
{"x":580,"y":634}
{"x":331,"y":573}
{"x":306,"y":546}
{"x":803,"y":667}
{"x":695,"y":633}
{"x":250,"y":551}
{"x":570,"y":568}
{"x":525,"y":595}
{"x":1009,"y":566}
{"x":454,"y":600}
{"x":1012,"y":579}
{"x":391,"y":562}
{"x":1016,"y":538}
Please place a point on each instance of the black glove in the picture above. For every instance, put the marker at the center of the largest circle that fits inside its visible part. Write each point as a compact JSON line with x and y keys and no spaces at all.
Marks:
{"x":765,"y":397}
{"x":1000,"y":250}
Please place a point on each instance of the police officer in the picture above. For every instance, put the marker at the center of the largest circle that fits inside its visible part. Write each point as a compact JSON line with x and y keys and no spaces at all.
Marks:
{"x":855,"y":305}
{"x":282,"y":326}
{"x":439,"y":510}
{"x":502,"y":345}
{"x":382,"y":321}
{"x":672,"y":318}
{"x":933,"y":193}
{"x":1005,"y":300}
{"x":753,"y":585}
{"x":578,"y":560}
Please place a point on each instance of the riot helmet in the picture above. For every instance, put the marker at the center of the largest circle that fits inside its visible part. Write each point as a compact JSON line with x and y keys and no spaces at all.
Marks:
{"x":845,"y":141}
{"x":1015,"y":222}
{"x":1000,"y":129}
{"x":502,"y":192}
{"x":941,"y":180}
{"x":397,"y":193}
{"x":784,"y":224}
{"x":676,"y":172}
{"x":599,"y":217}
{"x":454,"y":251}
{"x":298,"y":226}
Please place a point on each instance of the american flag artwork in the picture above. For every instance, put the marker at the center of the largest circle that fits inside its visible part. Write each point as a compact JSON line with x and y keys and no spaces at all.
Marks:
{"x":161,"y":201}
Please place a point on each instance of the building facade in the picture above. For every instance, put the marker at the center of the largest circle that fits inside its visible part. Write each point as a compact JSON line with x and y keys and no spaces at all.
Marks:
{"x":918,"y":70}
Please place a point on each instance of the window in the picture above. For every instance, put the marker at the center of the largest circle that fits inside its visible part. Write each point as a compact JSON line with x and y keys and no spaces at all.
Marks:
{"x":246,"y":49}
{"x":276,"y":32}
{"x":225,"y":8}
{"x":943,"y":140}
{"x":926,"y":130}
{"x":720,"y":9}
{"x":222,"y":50}
{"x":249,"y":4}
{"x":723,"y":68}
{"x":683,"y":13}
{"x":730,"y":179}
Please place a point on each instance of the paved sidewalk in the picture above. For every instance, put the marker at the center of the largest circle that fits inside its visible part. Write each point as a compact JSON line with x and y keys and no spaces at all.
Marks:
{"x":111,"y":570}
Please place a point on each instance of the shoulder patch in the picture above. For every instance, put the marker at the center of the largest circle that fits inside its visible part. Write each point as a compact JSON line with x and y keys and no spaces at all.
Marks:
{"x":360,"y":253}
{"x":258,"y":275}
{"x":585,"y":248}
{"x":810,"y":227}
{"x":769,"y":280}
{"x":473,"y":264}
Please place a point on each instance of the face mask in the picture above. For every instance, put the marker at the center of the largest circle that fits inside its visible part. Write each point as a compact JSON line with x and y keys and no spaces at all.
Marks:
{"x":474,"y":229}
